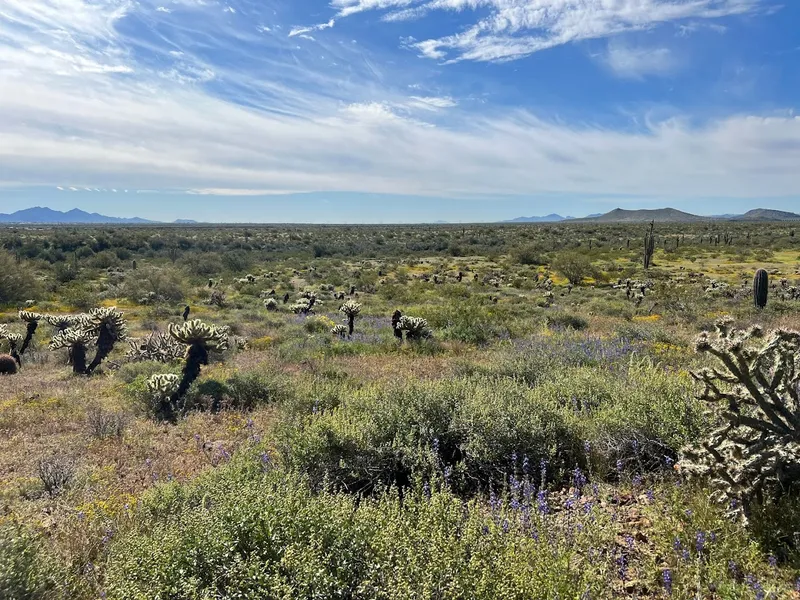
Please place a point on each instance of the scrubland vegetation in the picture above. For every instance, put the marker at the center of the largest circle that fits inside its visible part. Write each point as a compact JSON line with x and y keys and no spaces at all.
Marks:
{"x":400,"y":412}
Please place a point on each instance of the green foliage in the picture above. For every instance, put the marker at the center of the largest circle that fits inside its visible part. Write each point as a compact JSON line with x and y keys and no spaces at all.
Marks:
{"x":387,"y":435}
{"x":575,"y":267}
{"x":242,"y":534}
{"x":17,"y":282}
{"x":566,"y":320}
{"x":25,"y":572}
{"x":468,"y":322}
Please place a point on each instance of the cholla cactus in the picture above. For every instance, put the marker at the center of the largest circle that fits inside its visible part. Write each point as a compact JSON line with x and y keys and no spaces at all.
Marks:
{"x":302,"y":307}
{"x":163,"y":386}
{"x":351,"y":310}
{"x":200,"y":339}
{"x":63,"y":322}
{"x":756,"y":453}
{"x":339,"y":330}
{"x":108,"y":324}
{"x":32,"y":322}
{"x":158,"y":347}
{"x":77,"y":340}
{"x":271,"y":304}
{"x":416,"y":328}
{"x":14,"y":340}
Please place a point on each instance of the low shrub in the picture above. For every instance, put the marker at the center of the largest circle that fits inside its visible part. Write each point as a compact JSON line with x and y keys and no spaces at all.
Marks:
{"x":387,"y":435}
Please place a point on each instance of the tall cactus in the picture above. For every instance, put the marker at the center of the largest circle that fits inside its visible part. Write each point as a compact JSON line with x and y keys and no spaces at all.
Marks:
{"x":200,"y":339}
{"x":649,"y":245}
{"x":350,"y":310}
{"x":32,"y":322}
{"x":760,"y":288}
{"x":109,"y":326}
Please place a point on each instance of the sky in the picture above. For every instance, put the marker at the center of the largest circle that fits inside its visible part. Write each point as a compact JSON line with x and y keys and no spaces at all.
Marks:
{"x":329,"y":111}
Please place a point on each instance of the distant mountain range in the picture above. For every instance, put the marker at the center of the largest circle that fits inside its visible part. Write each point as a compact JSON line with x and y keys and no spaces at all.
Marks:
{"x":40,"y":214}
{"x":551,"y":218}
{"x":663,"y":215}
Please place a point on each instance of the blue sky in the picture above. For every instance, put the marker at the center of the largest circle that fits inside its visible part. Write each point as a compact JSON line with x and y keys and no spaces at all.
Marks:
{"x":398,"y":110}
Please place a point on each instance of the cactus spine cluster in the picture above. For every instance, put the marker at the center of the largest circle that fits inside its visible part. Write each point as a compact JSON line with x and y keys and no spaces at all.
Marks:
{"x":760,"y":288}
{"x":351,"y":310}
{"x":755,"y":454}
{"x":163,"y":386}
{"x":416,"y":328}
{"x":649,"y":245}
{"x":158,"y":347}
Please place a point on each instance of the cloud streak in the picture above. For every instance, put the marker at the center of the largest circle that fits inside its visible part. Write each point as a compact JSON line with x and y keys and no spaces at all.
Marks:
{"x":517,"y":28}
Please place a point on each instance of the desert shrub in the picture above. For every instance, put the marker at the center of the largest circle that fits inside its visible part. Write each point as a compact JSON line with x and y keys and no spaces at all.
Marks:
{"x":573,"y":266}
{"x":25,"y":572}
{"x":17,"y":282}
{"x":56,"y":473}
{"x":566,"y":320}
{"x":162,"y":284}
{"x":245,"y":534}
{"x":318,"y":324}
{"x":540,"y":358}
{"x":635,"y":420}
{"x":101,"y":424}
{"x":387,"y":435}
{"x":528,"y":255}
{"x":467,"y":322}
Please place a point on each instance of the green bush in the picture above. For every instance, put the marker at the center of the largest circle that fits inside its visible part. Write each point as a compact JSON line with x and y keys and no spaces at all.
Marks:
{"x":17,"y":282}
{"x":388,"y":435}
{"x":567,"y":321}
{"x":242,"y":534}
{"x":25,"y":573}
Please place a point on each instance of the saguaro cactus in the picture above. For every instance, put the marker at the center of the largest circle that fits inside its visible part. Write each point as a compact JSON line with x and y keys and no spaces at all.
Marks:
{"x":351,"y":310}
{"x":760,"y":288}
{"x":649,"y":245}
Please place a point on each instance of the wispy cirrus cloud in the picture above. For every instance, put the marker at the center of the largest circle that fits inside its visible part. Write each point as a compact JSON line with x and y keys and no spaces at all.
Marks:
{"x":119,"y":95}
{"x":518,"y":28}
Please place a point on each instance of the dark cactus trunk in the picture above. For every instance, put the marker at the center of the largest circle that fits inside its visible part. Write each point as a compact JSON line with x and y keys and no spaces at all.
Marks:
{"x":29,"y":331}
{"x":105,"y":344}
{"x":395,"y":322}
{"x":196,"y":357}
{"x":351,"y":319}
{"x":79,"y":359}
{"x":760,"y":288}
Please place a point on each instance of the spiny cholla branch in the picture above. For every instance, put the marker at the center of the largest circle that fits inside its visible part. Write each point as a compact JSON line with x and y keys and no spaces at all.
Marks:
{"x":755,"y":454}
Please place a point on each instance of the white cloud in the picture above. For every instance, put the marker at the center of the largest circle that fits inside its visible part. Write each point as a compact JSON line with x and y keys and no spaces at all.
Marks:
{"x":638,"y":62}
{"x":74,"y":98}
{"x":518,"y":28}
{"x":303,"y":30}
{"x":184,"y":139}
